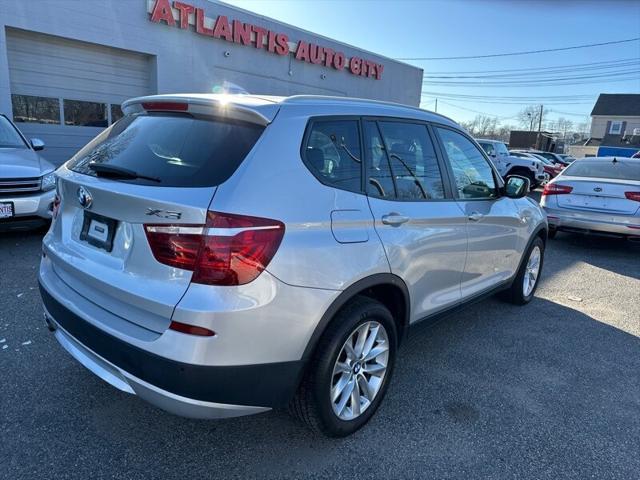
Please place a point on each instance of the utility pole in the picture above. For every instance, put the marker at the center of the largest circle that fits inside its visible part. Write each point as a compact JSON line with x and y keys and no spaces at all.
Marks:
{"x":539,"y":138}
{"x":436,"y":105}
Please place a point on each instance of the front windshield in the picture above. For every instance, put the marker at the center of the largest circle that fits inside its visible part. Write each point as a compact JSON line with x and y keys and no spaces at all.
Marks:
{"x":9,"y":136}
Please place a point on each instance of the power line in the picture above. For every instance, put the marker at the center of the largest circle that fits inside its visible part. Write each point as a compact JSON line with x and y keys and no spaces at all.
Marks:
{"x":607,"y":62}
{"x":537,"y":72}
{"x":506,"y":97}
{"x":548,"y":83}
{"x":588,"y":76}
{"x":529,"y":52}
{"x":514,"y":103}
{"x":500,"y":101}
{"x":571,"y":113}
{"x":475,"y":111}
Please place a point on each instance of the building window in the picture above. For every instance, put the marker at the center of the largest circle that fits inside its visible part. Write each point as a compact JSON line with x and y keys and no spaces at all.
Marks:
{"x":616,"y":128}
{"x":30,"y":109}
{"x":85,"y":114}
{"x":116,"y":113}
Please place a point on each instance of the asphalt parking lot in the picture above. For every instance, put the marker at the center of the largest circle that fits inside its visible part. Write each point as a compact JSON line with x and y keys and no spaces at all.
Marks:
{"x":551,"y":390}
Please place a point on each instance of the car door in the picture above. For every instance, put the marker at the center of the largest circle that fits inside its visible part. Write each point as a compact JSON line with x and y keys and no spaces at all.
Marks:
{"x":416,"y":217}
{"x":493,"y":221}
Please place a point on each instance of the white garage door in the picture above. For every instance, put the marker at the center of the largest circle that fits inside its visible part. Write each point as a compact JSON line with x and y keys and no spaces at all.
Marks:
{"x":65,"y":91}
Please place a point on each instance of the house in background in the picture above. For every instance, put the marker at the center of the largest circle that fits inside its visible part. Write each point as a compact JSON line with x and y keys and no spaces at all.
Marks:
{"x":615,"y":127}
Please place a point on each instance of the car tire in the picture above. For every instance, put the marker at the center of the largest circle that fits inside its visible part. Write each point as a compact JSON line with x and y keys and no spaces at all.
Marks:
{"x":314,"y":402}
{"x":520,"y":292}
{"x":552,"y":233}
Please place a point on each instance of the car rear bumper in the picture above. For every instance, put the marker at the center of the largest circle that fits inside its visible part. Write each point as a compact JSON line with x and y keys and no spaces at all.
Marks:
{"x":29,"y":211}
{"x":197,"y":391}
{"x":585,"y":221}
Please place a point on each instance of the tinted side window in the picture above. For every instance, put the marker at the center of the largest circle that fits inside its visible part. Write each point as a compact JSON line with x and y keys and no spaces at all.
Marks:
{"x":332,"y":153}
{"x":413,"y":161}
{"x":472,"y":173}
{"x":487,"y":147}
{"x":379,"y":178}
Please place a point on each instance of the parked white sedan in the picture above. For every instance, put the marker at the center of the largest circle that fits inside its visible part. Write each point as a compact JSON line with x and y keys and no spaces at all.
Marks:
{"x":595,"y":195}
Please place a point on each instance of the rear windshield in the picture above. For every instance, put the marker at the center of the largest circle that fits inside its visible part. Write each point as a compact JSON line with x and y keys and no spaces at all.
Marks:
{"x":619,"y":170}
{"x":177,"y":150}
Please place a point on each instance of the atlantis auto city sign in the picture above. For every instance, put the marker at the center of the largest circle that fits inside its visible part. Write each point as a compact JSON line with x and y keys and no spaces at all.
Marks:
{"x":234,"y":31}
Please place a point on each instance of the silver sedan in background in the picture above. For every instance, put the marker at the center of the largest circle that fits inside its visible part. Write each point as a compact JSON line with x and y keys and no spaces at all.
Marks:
{"x":27,"y":181}
{"x":595,"y":195}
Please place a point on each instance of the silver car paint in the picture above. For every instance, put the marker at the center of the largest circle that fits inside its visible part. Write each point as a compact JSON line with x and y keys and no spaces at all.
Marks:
{"x":428,"y":251}
{"x":333,"y":239}
{"x":16,"y":163}
{"x":495,"y":243}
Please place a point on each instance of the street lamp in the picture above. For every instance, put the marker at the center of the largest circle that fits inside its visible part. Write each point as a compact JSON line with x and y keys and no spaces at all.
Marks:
{"x":530,"y":120}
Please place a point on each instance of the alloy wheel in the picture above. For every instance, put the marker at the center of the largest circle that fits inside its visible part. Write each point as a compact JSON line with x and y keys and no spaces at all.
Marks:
{"x":532,"y":271}
{"x":359,"y":370}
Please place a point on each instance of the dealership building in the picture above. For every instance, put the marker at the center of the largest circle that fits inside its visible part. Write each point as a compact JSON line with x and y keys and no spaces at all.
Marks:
{"x":67,"y":65}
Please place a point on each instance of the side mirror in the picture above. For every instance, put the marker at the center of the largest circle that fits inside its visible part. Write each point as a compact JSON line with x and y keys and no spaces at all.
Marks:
{"x":37,"y":144}
{"x":516,"y":186}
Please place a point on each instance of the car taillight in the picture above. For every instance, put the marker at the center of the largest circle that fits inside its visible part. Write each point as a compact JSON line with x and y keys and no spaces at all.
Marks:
{"x":191,"y":329}
{"x":635,"y":196}
{"x":556,"y":189}
{"x":228,"y":250}
{"x":165,"y":106}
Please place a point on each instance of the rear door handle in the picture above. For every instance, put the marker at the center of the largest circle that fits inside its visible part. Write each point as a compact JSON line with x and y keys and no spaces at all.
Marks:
{"x":476,"y":217}
{"x":394,"y":219}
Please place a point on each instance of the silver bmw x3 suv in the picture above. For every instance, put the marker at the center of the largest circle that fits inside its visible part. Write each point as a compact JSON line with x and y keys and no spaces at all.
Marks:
{"x":223,"y":255}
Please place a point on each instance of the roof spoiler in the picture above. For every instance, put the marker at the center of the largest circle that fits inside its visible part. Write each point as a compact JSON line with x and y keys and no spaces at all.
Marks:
{"x":228,"y":106}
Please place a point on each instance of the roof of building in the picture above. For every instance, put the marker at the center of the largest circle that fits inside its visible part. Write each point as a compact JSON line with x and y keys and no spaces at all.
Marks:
{"x":620,"y":104}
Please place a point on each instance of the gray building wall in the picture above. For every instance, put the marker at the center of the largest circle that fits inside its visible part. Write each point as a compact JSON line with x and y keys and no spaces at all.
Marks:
{"x":184,"y":61}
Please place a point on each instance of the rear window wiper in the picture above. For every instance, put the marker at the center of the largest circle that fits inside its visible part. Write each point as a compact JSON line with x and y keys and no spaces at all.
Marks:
{"x":113,"y":171}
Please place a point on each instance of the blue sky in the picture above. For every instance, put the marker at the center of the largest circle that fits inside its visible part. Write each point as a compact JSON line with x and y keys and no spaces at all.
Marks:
{"x":434,"y":28}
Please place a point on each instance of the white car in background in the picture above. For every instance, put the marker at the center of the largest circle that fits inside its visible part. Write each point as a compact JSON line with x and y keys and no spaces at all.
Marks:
{"x":595,"y":195}
{"x":507,"y":164}
{"x":27,"y":181}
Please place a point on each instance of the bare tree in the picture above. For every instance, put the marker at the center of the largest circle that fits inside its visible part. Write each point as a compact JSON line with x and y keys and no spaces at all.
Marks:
{"x":564,"y":126}
{"x":504,"y":132}
{"x":468,"y":126}
{"x":482,"y":125}
{"x":583,"y":128}
{"x":529,"y":117}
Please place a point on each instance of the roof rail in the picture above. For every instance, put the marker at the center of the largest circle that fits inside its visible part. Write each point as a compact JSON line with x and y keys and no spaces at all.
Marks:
{"x":363,"y":101}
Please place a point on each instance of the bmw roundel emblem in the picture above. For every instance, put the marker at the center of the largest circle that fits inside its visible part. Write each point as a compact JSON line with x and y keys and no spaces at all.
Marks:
{"x":84,"y":197}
